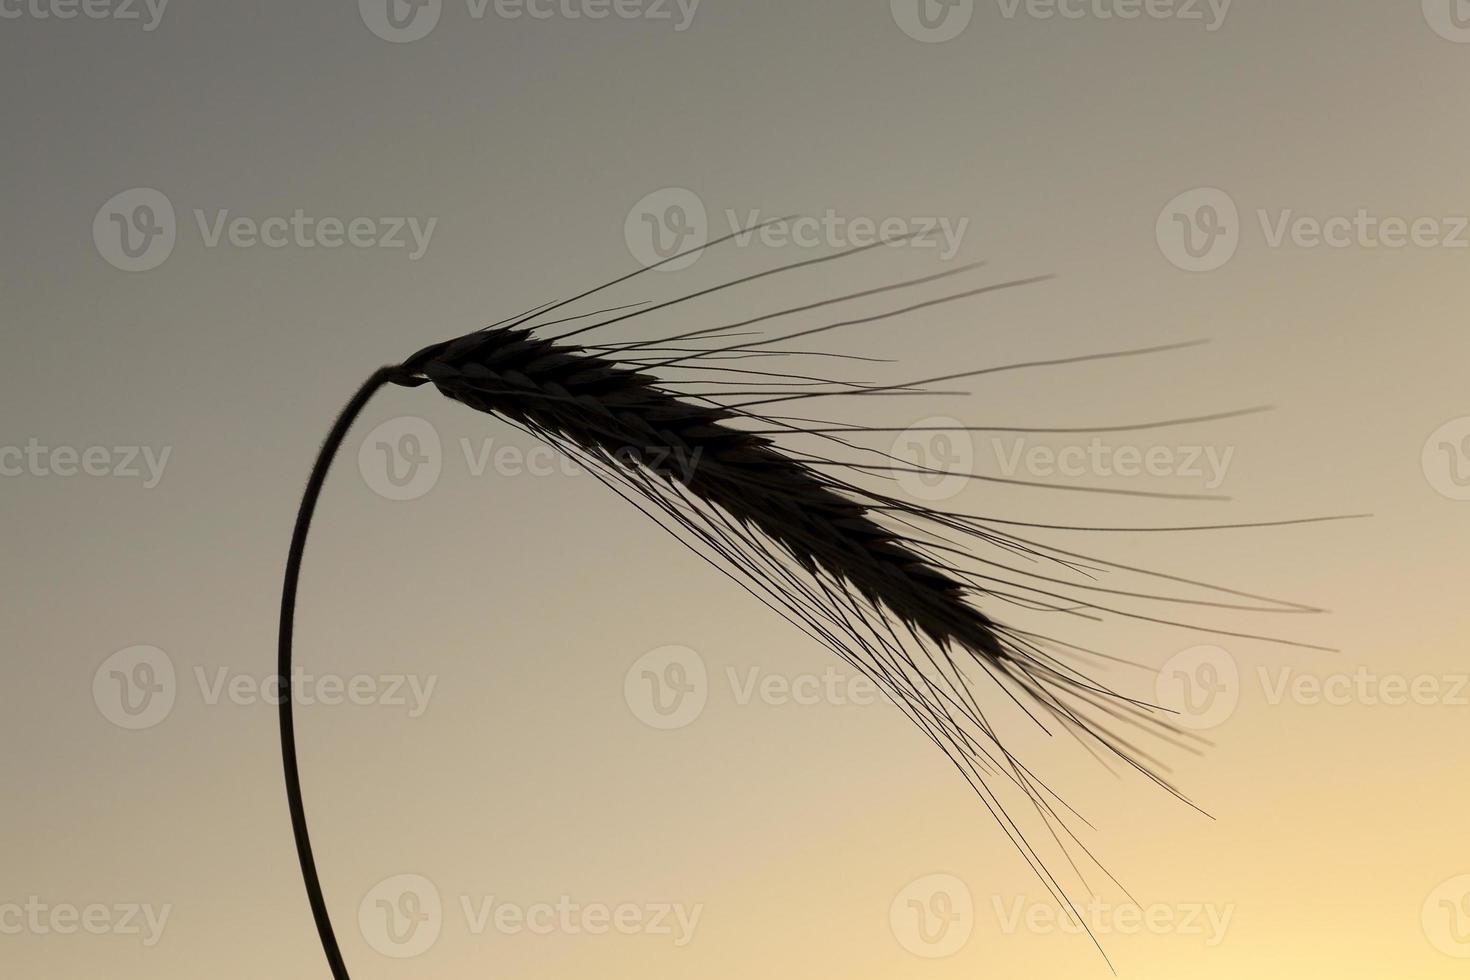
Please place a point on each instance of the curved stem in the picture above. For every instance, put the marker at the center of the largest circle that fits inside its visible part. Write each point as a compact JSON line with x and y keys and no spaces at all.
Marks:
{"x":324,"y":458}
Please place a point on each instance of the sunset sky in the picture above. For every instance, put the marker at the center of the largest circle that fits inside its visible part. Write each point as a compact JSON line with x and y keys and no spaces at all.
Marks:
{"x":223,"y":217}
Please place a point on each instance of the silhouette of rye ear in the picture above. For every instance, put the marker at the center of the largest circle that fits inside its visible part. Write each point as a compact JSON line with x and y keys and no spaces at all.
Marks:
{"x":891,"y":586}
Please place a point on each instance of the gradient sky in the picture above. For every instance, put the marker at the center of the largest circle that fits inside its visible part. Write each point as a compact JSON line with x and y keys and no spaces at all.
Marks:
{"x":526,"y":152}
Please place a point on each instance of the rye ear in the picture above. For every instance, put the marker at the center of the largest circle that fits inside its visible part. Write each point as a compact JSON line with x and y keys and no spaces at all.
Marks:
{"x":901,"y":591}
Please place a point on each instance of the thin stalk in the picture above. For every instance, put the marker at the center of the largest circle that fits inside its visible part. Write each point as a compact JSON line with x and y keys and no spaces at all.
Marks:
{"x":333,"y":443}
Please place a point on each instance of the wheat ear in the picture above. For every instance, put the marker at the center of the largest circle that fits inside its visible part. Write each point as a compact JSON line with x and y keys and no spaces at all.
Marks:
{"x":892,"y":587}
